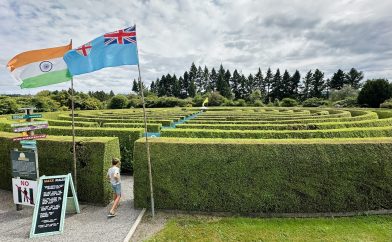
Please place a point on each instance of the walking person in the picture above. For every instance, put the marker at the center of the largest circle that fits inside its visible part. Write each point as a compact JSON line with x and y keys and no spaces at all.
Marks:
{"x":115,"y":179}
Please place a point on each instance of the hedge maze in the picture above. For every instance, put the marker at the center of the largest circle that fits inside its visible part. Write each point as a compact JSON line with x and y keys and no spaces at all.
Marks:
{"x":239,"y":159}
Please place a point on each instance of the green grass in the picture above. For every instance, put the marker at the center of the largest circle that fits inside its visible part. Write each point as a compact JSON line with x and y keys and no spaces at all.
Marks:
{"x":361,"y":228}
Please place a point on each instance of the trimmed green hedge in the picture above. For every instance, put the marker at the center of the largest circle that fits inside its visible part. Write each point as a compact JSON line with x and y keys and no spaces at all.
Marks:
{"x":279,"y":134}
{"x":126,"y":136}
{"x":156,"y":128}
{"x":55,"y":158}
{"x":53,"y":122}
{"x":270,"y":176}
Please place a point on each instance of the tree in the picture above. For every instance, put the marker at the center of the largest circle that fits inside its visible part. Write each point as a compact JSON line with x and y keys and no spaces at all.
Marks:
{"x":308,"y":80}
{"x":346,"y":92}
{"x":353,"y":78}
{"x":375,"y":92}
{"x":226,"y":90}
{"x":206,"y":80}
{"x":118,"y":101}
{"x":184,"y":83}
{"x":221,"y":79}
{"x":8,"y":105}
{"x":213,"y":80}
{"x":294,"y":84}
{"x":235,"y":84}
{"x":176,"y":89}
{"x":259,"y":82}
{"x":286,"y":85}
{"x":192,"y":89}
{"x":317,"y":84}
{"x":276,"y":86}
{"x":337,"y":80}
{"x":91,"y":103}
{"x":268,"y":81}
{"x":199,"y":80}
{"x":135,"y":86}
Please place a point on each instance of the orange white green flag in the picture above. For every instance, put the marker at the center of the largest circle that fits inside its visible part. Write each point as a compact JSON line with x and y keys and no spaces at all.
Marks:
{"x":36,"y":68}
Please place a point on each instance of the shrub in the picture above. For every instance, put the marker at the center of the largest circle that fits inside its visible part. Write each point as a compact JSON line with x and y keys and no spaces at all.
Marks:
{"x":8,"y":105}
{"x":347,"y":92}
{"x":314,"y":102}
{"x":55,"y":158}
{"x":386,"y":104}
{"x":240,"y":103}
{"x":288,"y":102}
{"x":256,"y":176}
{"x":375,"y":92}
{"x":215,"y":99}
{"x":346,"y":103}
{"x":45,"y":104}
{"x":258,"y":103}
{"x":117,"y":102}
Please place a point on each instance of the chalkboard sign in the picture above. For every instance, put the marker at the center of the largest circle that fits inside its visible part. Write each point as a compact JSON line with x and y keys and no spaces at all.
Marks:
{"x":50,"y":206}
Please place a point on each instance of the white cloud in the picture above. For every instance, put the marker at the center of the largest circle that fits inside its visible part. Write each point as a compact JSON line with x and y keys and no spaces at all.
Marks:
{"x":243,"y":34}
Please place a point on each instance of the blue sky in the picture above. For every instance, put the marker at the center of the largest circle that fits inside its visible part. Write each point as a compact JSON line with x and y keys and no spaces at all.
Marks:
{"x":242,"y":34}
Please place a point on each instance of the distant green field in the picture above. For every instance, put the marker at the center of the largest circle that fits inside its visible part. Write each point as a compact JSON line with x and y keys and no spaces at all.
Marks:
{"x":361,"y":228}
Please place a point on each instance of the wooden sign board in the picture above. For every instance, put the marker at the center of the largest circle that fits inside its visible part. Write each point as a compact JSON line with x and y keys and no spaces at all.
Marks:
{"x":51,"y":204}
{"x":26,"y":116}
{"x":29,"y":123}
{"x":39,"y":136}
{"x":30,"y":128}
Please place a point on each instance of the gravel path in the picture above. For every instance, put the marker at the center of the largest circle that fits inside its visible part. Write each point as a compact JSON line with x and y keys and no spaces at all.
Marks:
{"x":91,"y":224}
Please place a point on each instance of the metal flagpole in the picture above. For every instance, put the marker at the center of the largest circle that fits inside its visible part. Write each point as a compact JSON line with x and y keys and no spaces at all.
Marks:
{"x":73,"y":133}
{"x":145,"y":132}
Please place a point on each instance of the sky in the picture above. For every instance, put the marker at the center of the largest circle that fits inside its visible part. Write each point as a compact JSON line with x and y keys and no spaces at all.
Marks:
{"x":240,"y":34}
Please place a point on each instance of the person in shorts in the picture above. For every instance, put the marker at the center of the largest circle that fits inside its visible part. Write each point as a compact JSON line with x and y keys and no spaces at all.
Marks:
{"x":115,"y":179}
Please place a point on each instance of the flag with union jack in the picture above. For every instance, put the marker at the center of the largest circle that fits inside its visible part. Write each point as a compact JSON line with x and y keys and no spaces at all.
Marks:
{"x":122,"y":36}
{"x":111,"y":49}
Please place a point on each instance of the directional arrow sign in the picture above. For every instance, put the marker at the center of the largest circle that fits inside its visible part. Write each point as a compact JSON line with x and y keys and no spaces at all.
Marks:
{"x":28,"y":142}
{"x":40,"y":136}
{"x":26,"y":116}
{"x":31,"y":147}
{"x":30,"y":128}
{"x":29,"y":123}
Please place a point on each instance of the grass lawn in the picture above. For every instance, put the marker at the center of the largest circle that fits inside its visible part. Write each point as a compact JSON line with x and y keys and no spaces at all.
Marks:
{"x":202,"y":228}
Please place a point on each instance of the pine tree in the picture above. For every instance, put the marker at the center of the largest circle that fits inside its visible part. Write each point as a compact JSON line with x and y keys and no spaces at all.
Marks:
{"x":318,"y":84}
{"x":249,"y":87}
{"x":353,"y":78}
{"x":235,"y":84}
{"x":111,"y":94}
{"x":221,"y":79}
{"x":286,"y":85}
{"x":242,"y":87}
{"x":192,"y":89}
{"x":206,"y":80}
{"x":152,"y":87}
{"x":268,"y":81}
{"x":337,"y":80}
{"x":276,"y":86}
{"x":161,"y":87}
{"x":213,"y":80}
{"x":135,"y":86}
{"x":176,"y":89}
{"x":294,"y":84}
{"x":184,"y":83}
{"x":168,"y":85}
{"x":183,"y":90}
{"x":226,"y":89}
{"x":259,"y":82}
{"x":198,"y":80}
{"x":308,"y":79}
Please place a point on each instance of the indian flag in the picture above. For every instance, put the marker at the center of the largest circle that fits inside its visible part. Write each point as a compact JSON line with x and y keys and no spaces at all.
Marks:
{"x":38,"y":68}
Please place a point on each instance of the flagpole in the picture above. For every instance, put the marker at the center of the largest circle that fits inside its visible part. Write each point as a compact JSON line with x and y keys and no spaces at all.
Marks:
{"x":73,"y":133}
{"x":145,"y":132}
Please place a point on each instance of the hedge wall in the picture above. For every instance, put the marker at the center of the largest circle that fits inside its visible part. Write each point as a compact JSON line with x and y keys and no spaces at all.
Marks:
{"x":101,"y":121}
{"x":55,"y":158}
{"x":126,"y":136}
{"x":280,"y":134}
{"x":156,"y":128}
{"x":273,"y":176}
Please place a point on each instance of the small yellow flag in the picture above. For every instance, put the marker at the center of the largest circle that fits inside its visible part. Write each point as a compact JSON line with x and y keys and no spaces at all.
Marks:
{"x":205,"y":101}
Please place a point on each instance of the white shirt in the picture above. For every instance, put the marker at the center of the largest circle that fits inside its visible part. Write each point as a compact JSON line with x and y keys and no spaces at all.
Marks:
{"x":114,"y":170}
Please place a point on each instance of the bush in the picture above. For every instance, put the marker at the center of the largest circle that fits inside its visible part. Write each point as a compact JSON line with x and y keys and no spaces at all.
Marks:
{"x":288,"y":102}
{"x":45,"y":104}
{"x":240,"y":103}
{"x":375,"y":92}
{"x":346,"y":103}
{"x":55,"y":158}
{"x":347,"y":92}
{"x":117,"y":102}
{"x":386,"y":104}
{"x":258,"y":103}
{"x":314,"y":102}
{"x":256,"y":176}
{"x":215,"y":99}
{"x":155,"y":128}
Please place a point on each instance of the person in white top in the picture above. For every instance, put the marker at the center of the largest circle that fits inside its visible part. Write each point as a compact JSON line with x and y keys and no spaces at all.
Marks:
{"x":115,"y":179}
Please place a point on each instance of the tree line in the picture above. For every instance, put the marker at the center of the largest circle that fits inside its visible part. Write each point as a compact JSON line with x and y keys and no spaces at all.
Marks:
{"x":271,"y":85}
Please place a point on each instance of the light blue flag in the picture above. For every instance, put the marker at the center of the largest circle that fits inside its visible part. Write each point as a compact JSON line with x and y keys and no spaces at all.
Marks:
{"x":112,"y":49}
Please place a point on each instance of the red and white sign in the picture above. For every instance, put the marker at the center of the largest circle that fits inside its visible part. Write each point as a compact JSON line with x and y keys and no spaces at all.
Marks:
{"x":39,"y":136}
{"x":24,"y":191}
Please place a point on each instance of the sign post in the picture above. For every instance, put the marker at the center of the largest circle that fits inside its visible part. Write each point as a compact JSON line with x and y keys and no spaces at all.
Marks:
{"x":51,"y":205}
